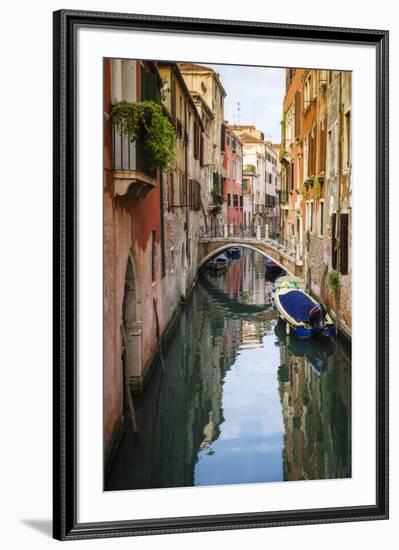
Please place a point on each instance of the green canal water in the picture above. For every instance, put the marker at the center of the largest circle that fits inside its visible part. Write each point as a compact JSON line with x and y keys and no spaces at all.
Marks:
{"x":239,"y":402}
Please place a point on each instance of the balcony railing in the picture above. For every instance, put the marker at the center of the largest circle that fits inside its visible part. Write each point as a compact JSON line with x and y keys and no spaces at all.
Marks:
{"x":270,"y":201}
{"x":130,"y":155}
{"x":133,"y":173}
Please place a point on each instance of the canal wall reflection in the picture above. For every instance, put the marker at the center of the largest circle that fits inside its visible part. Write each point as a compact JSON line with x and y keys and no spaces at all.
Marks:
{"x":238,"y":403}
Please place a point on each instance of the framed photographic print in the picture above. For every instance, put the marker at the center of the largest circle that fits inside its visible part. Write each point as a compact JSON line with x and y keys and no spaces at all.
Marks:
{"x":220,"y":274}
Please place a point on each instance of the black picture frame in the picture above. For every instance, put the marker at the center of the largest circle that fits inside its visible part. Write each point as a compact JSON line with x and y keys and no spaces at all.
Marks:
{"x":66,"y":23}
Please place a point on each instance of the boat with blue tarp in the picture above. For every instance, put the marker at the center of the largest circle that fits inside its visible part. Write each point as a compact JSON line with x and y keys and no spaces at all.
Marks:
{"x":304,"y":315}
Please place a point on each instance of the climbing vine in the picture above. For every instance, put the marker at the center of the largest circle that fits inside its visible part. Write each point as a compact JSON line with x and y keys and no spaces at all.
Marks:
{"x":333,"y":283}
{"x":146,"y":119}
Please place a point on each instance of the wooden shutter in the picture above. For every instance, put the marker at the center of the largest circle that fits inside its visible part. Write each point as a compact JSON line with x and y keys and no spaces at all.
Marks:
{"x":310,"y":155}
{"x":314,"y":150}
{"x":297,"y":114}
{"x":343,"y":249}
{"x":202,"y":151}
{"x":173,"y":99}
{"x":322,"y":148}
{"x":149,"y":86}
{"x":333,"y":241}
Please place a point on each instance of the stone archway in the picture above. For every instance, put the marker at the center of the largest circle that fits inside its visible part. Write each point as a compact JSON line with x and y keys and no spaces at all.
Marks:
{"x":132,"y":327}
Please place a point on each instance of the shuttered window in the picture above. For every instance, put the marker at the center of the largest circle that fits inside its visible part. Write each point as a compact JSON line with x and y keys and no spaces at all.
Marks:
{"x":343,"y":248}
{"x":196,"y":148}
{"x":173,"y":99}
{"x":202,"y":151}
{"x":322,"y":148}
{"x":333,"y":241}
{"x":149,"y":86}
{"x":171,"y":191}
{"x":297,"y":114}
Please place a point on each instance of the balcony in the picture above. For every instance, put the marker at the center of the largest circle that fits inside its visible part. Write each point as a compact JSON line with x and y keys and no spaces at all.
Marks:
{"x":270,"y":201}
{"x":133,"y":174}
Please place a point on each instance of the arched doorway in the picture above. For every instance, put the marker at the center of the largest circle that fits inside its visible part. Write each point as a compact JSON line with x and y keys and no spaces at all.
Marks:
{"x":131,"y":328}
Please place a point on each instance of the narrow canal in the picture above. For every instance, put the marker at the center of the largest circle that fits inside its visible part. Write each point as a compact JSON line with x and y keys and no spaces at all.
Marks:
{"x":239,"y":402}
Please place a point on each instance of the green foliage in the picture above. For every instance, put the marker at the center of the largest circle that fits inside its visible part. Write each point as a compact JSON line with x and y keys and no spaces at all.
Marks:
{"x":333,"y":282}
{"x":146,"y":119}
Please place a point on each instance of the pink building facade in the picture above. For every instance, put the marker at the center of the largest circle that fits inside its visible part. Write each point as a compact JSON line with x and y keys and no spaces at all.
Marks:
{"x":232,"y":173}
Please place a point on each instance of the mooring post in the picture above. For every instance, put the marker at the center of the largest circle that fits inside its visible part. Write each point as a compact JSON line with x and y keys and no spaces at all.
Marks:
{"x":258,"y":233}
{"x":225,"y":231}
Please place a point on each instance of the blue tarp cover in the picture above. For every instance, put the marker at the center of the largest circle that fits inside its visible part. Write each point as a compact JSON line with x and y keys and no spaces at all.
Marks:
{"x":297,"y":305}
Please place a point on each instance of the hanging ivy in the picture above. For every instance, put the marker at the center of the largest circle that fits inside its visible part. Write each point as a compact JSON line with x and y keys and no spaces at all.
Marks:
{"x":146,"y":119}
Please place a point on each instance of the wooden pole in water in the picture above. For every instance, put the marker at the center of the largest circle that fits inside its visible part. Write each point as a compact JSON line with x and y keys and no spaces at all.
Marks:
{"x":158,"y":335}
{"x":128,"y":393}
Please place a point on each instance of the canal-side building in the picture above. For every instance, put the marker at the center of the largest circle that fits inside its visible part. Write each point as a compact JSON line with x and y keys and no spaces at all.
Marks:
{"x":272,"y":185}
{"x":205,"y":86}
{"x":291,"y":158}
{"x":232,"y":178}
{"x":182,"y":194}
{"x":152,"y":222}
{"x":338,"y":192}
{"x":315,"y":197}
{"x":254,"y":168}
{"x":133,"y":254}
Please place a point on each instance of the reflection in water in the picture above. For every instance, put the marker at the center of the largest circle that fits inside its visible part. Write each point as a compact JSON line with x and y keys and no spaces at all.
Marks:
{"x":239,"y":401}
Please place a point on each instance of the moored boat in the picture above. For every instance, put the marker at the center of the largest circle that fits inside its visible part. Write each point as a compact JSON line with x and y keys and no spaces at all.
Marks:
{"x":234,"y":252}
{"x":219,"y":263}
{"x":304,"y":315}
{"x":272,"y":268}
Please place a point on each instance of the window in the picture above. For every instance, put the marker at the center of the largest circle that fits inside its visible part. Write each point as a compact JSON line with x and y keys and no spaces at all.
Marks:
{"x":311,"y":217}
{"x":228,"y":199}
{"x":297,"y":114}
{"x":235,"y":201}
{"x":171,"y":190}
{"x":308,"y":93}
{"x":334,"y":241}
{"x":292,"y":175}
{"x":153,"y":255}
{"x":347,"y":138}
{"x":321,"y":218}
{"x":305,"y":157}
{"x":344,"y":245}
{"x":241,"y":202}
{"x":270,"y":178}
{"x":322,"y":147}
{"x":298,"y":173}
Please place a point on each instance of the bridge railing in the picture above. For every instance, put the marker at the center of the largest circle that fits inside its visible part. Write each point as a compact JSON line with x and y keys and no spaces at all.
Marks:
{"x":261,"y":233}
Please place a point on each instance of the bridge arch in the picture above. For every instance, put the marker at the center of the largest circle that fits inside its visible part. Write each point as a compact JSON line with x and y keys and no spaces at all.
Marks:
{"x":253,"y":247}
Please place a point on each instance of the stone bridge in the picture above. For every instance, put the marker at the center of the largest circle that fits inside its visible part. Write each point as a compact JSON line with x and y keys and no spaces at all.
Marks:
{"x":286,"y":254}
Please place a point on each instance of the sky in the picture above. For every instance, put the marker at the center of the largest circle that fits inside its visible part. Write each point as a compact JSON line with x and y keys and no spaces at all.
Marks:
{"x":260,"y":92}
